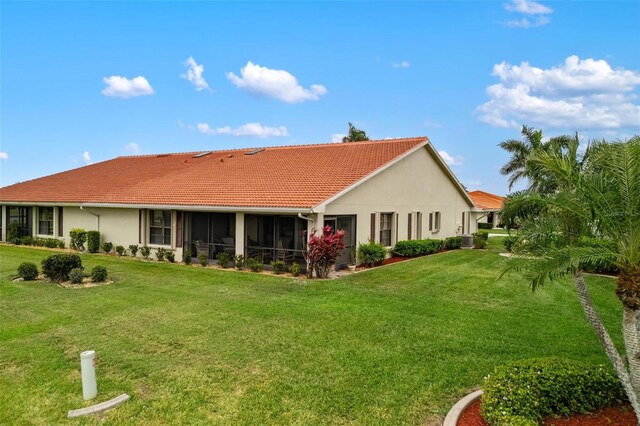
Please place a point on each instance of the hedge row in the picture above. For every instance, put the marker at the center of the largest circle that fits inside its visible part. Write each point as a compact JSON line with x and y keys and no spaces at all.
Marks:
{"x":41,"y":242}
{"x":525,"y":392}
{"x":413,"y":248}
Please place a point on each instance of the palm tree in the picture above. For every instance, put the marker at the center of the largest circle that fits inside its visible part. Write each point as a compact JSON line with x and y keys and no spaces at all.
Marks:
{"x":518,"y":167}
{"x":597,"y":197}
{"x":355,"y":135}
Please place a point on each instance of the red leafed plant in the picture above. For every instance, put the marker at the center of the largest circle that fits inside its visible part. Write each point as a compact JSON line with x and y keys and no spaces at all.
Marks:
{"x":323,"y":250}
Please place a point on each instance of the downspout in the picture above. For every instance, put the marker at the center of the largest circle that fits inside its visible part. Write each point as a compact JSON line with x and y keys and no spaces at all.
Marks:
{"x":93,"y":213}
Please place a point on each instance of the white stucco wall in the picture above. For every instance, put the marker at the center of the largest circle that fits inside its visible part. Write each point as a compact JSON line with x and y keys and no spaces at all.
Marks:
{"x":119,"y":226}
{"x":414,"y":184}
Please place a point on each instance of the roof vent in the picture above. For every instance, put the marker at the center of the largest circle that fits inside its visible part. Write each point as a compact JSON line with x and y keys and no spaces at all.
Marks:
{"x":202,"y":154}
{"x":255,"y":151}
{"x":163,"y":155}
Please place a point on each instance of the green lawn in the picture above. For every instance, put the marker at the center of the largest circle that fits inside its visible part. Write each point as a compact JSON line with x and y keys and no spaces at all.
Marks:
{"x":394,"y":345}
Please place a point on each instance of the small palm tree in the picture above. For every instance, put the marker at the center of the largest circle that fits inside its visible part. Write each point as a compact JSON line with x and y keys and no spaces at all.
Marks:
{"x":355,"y":135}
{"x":595,"y":196}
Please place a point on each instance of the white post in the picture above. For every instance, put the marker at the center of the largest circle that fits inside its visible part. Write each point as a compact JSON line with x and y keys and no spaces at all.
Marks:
{"x":239,"y":234}
{"x":87,"y":367}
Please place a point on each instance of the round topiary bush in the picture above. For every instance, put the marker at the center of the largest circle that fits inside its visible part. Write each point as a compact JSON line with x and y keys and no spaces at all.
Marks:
{"x":76,"y":275}
{"x":57,"y":266}
{"x":525,"y":392}
{"x":99,"y":274}
{"x":28,"y":271}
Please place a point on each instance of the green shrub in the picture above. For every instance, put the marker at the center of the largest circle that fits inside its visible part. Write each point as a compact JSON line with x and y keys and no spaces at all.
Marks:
{"x":534,"y":389}
{"x":60,"y":244}
{"x":203,"y":259}
{"x":26,"y":240}
{"x":508,"y":242}
{"x":295,"y":269}
{"x":145,"y":252}
{"x":13,"y":233}
{"x":160,"y":254}
{"x":107,"y":246}
{"x":28,"y":271}
{"x":57,"y":266}
{"x":121,"y":250}
{"x":186,"y":256}
{"x":480,"y":239}
{"x":99,"y":274}
{"x":41,"y":242}
{"x":371,"y":253}
{"x":452,"y":243}
{"x":483,"y":235}
{"x":485,"y":225}
{"x":133,"y":249}
{"x":93,"y":241}
{"x":224,"y":259}
{"x":255,"y":264}
{"x":238,"y":262}
{"x":78,"y":237}
{"x":278,"y":267}
{"x":170,"y":255}
{"x":76,"y":275}
{"x":416,"y":247}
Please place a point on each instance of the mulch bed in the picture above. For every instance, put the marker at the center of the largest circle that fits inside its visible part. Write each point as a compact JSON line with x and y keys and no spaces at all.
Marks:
{"x":612,"y":416}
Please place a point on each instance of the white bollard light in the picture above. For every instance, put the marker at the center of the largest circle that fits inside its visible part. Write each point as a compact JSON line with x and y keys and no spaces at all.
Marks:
{"x":88,"y":369}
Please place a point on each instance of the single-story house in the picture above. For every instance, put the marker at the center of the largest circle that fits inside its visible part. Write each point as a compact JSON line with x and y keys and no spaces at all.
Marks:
{"x":255,"y":202}
{"x":490,"y":206}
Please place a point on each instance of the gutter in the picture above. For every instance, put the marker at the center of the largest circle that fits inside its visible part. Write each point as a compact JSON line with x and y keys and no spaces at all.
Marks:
{"x":93,"y":213}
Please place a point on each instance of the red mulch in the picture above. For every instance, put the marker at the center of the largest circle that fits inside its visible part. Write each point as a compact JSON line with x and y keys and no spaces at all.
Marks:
{"x":612,"y":416}
{"x":394,"y":259}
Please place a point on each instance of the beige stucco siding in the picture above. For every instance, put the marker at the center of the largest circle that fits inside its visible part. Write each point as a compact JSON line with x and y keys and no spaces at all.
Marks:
{"x":414,"y":184}
{"x":120,"y":226}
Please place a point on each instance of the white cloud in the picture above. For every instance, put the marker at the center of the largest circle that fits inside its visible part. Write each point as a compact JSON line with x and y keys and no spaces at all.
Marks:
{"x":86,"y":157}
{"x":577,"y":95}
{"x":249,"y":129}
{"x":337,"y":137}
{"x":536,"y":11}
{"x":278,"y":84}
{"x":194,"y":74}
{"x":132,"y":148}
{"x":475,"y":182}
{"x":538,"y":21}
{"x":431,"y":123}
{"x":451,"y":160}
{"x":401,"y":64}
{"x":4,"y":155}
{"x":527,"y":7}
{"x":122,"y":87}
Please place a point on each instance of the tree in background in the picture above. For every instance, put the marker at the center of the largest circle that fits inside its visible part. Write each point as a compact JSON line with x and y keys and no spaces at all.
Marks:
{"x":355,"y":135}
{"x":595,"y":198}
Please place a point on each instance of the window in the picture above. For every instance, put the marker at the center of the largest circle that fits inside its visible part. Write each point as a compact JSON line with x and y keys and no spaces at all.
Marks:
{"x":21,"y":215}
{"x":434,"y":221}
{"x":385,"y":228}
{"x":160,"y":227}
{"x":45,"y":220}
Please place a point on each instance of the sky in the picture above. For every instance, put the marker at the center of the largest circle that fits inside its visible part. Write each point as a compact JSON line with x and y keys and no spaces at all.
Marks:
{"x":83,"y":82}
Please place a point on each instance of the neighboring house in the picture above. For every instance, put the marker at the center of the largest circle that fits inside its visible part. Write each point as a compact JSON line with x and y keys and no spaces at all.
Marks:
{"x":490,"y":206}
{"x":256,"y":202}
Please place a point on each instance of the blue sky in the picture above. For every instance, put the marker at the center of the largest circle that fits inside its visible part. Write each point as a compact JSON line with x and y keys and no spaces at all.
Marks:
{"x":467,"y":74}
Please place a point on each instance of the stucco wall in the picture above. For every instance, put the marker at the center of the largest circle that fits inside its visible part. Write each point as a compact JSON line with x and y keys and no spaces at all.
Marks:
{"x":120,"y":226}
{"x":414,"y":184}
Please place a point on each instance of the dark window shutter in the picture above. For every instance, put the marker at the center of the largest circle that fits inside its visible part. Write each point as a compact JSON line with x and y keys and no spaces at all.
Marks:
{"x":463,"y":227}
{"x":60,"y":230}
{"x":140,"y":226}
{"x":396,"y":216}
{"x":372,"y":237}
{"x":409,"y":228}
{"x":430,"y":221}
{"x":179,"y":229}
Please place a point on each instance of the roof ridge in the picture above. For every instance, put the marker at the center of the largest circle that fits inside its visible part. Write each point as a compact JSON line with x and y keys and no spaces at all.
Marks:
{"x":310,"y":145}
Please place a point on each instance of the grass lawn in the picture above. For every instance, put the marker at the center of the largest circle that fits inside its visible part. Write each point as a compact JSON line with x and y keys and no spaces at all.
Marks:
{"x":394,"y":345}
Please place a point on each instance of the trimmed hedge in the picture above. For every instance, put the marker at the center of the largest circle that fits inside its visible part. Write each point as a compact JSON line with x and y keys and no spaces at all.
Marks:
{"x":93,"y":241}
{"x":413,"y":248}
{"x":525,"y":392}
{"x":99,"y":274}
{"x":371,"y":254}
{"x":278,"y":267}
{"x":57,"y":266}
{"x":76,"y":275}
{"x":40,"y":242}
{"x":485,"y":225}
{"x":28,"y":271}
{"x":452,"y":243}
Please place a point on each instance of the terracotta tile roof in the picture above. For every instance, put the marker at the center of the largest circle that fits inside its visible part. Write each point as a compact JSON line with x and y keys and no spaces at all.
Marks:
{"x":486,"y":201}
{"x":287,"y":176}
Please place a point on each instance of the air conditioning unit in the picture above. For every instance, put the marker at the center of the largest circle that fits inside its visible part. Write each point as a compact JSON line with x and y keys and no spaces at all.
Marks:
{"x":467,"y":241}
